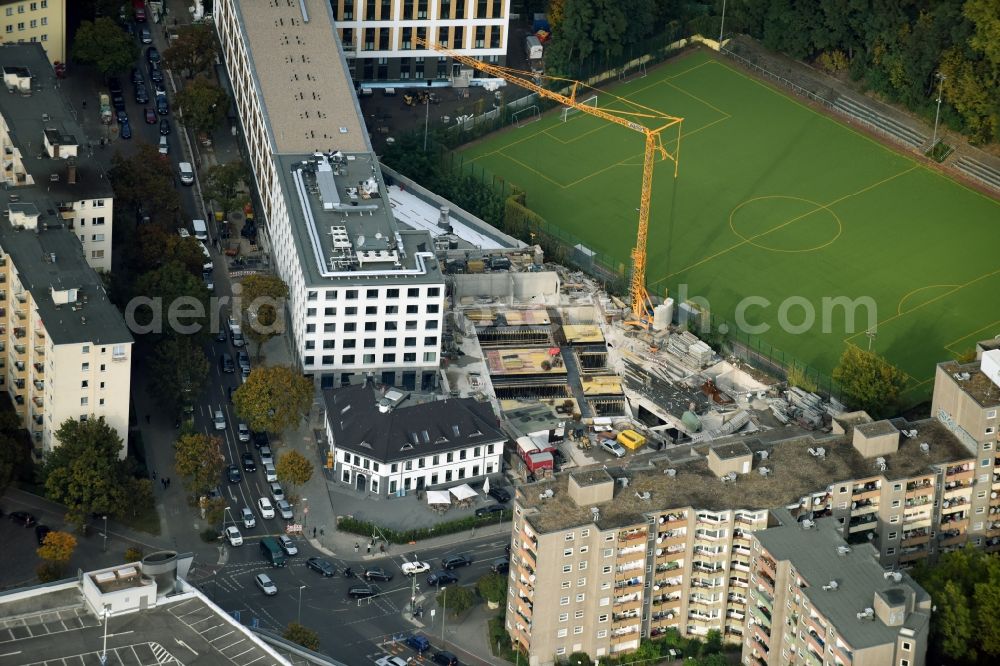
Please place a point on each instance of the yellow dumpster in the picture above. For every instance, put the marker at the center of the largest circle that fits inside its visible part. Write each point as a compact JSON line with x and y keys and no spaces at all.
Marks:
{"x":631,"y":439}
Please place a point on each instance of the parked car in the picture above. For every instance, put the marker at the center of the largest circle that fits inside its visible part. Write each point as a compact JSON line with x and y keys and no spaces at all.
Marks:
{"x":219,"y":419}
{"x":613,"y":447}
{"x":266,"y":585}
{"x":500,"y":566}
{"x":121,"y":116}
{"x":226,"y":363}
{"x":152,"y":55}
{"x":243,"y":359}
{"x":126,"y":130}
{"x":277,"y":492}
{"x":249,"y":520}
{"x":42,"y":531}
{"x":418,"y":643}
{"x":287,"y":545}
{"x":270,"y":474}
{"x":265,"y":455}
{"x":391,"y":660}
{"x":137,"y":75}
{"x":164,"y":146}
{"x":162,"y":106}
{"x":321,"y":566}
{"x":115,"y":85}
{"x":243,"y":432}
{"x":377,"y":573}
{"x":499,"y":494}
{"x":233,"y":474}
{"x":164,"y":127}
{"x":141,"y":95}
{"x":233,"y":536}
{"x":259,"y":439}
{"x":266,"y":508}
{"x":150,"y":116}
{"x":155,"y":73}
{"x":445,"y":658}
{"x":441,"y":578}
{"x":145,"y":36}
{"x":249,"y":464}
{"x":414,"y":568}
{"x":490,"y":510}
{"x":285,"y":509}
{"x":454,"y":561}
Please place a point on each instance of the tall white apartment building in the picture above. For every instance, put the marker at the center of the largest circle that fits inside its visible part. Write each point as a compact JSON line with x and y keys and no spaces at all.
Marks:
{"x":378,"y":36}
{"x":365,"y":296}
{"x":65,"y":352}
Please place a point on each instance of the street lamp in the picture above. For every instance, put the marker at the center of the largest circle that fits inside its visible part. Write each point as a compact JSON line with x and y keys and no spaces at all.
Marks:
{"x":937,"y":114}
{"x":105,"y":535}
{"x":305,"y":513}
{"x":444,"y":591}
{"x":104,"y":649}
{"x":722,"y":23}
{"x":299,"y":620}
{"x":427,"y":114}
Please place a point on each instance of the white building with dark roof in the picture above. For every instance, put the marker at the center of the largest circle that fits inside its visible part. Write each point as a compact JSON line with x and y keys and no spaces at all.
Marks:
{"x":385,"y":442}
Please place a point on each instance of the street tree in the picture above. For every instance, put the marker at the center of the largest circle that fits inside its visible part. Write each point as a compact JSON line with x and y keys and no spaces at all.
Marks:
{"x":137,"y":499}
{"x":199,"y":459}
{"x":202,"y":104}
{"x":869,"y":382}
{"x":492,"y":587}
{"x":262,"y":299}
{"x":293,"y":468}
{"x":458,"y":599}
{"x":224,"y":184}
{"x":303,"y":635}
{"x":179,"y":372}
{"x":105,"y":45}
{"x":179,"y":302}
{"x":57,"y":547}
{"x":83,"y":471}
{"x":145,"y":180}
{"x":193,"y":50}
{"x":273,"y":398}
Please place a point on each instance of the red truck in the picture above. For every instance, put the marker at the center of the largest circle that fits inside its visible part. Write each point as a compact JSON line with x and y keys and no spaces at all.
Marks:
{"x":139,"y":10}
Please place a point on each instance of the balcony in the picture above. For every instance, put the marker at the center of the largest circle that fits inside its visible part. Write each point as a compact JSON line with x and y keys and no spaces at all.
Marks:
{"x":959,"y":473}
{"x":913,"y":487}
{"x":673,"y":519}
{"x":865,"y":491}
{"x":39,"y":385}
{"x":632,"y":535}
{"x":40,"y":351}
{"x":39,"y":402}
{"x":953,"y":505}
{"x":861,"y":523}
{"x":763,"y":617}
{"x":915,"y":538}
{"x":864,"y":507}
{"x":20,"y":350}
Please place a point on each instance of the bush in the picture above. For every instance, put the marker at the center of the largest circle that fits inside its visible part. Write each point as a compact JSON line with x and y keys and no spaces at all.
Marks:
{"x":209,"y":534}
{"x":133,"y":554}
{"x":492,"y":587}
{"x":302,"y":635}
{"x":49,"y":571}
{"x":459,"y":599}
{"x":366,"y":529}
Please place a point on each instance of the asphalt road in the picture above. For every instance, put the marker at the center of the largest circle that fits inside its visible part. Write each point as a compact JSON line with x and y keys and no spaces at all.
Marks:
{"x":361,"y":624}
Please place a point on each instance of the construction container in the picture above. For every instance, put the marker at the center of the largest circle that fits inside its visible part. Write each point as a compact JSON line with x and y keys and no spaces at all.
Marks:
{"x":475,"y":266}
{"x":631,"y":440}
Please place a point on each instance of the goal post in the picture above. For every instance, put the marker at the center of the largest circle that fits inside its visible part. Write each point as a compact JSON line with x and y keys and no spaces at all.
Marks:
{"x":526,"y":115}
{"x":569,"y":111}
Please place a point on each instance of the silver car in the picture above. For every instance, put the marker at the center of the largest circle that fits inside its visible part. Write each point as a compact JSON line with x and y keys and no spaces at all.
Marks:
{"x":249,"y":520}
{"x":219,"y":419}
{"x":285,"y":509}
{"x":266,"y":585}
{"x":277,"y":492}
{"x":287,"y":545}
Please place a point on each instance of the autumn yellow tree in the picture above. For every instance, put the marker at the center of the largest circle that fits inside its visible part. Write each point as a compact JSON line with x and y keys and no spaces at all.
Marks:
{"x":262,"y":302}
{"x":199,"y":459}
{"x":293,"y":468}
{"x":58,"y":547}
{"x":273,"y":398}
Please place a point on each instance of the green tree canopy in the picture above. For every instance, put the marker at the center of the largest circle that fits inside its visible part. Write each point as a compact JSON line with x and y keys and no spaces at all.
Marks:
{"x":193,"y":50}
{"x":459,"y":599}
{"x":293,"y":468}
{"x":146,"y":180}
{"x":104,"y":44}
{"x":83,"y":470}
{"x":273,"y":398}
{"x":869,"y":382}
{"x":179,"y":372}
{"x":262,"y":298}
{"x":224,"y":185}
{"x":303,"y":635}
{"x":202,"y":104}
{"x":492,"y":587}
{"x":199,"y":459}
{"x":172,"y":286}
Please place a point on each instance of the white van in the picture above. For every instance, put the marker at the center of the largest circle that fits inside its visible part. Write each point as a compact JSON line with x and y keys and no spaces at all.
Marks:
{"x":200,"y":229}
{"x":164,"y":146}
{"x":209,"y":264}
{"x":186,"y":173}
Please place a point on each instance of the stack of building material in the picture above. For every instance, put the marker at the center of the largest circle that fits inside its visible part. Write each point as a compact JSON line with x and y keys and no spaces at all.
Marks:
{"x":734,"y":424}
{"x":807,"y":407}
{"x":689,"y":348}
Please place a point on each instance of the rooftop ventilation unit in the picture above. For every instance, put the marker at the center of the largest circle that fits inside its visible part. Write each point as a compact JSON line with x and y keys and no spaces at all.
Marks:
{"x":817,"y":452}
{"x":764,"y":471}
{"x":867,"y":614}
{"x":595,"y":513}
{"x":763,"y":455}
{"x":644,"y":496}
{"x":729,"y":478}
{"x":808,"y":524}
{"x":623,"y":482}
{"x":880,"y":464}
{"x":670,"y":472}
{"x":894,"y":575}
{"x":548,"y":494}
{"x":843,"y":550}
{"x":925,"y":448}
{"x":910,"y":433}
{"x":831,"y":586}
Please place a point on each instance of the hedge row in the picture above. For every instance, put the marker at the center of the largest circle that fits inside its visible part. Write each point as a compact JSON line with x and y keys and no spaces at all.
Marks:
{"x":367,"y":529}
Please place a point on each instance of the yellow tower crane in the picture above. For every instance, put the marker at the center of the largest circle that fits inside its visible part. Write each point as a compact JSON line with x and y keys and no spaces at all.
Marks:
{"x":632,"y":116}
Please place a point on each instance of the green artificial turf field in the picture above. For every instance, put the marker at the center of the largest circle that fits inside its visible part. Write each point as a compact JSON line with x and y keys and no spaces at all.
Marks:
{"x":773,"y":200}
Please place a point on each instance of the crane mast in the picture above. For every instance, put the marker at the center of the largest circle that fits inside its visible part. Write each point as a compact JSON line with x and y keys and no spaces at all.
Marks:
{"x":629,"y":118}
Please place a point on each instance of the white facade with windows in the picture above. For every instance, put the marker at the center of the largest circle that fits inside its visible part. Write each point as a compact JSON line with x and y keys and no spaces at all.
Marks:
{"x":365,"y":296}
{"x":388,"y":447}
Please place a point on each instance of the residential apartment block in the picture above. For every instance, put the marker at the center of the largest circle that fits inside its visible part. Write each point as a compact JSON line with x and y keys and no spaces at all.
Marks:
{"x":66,"y":349}
{"x":35,"y":21}
{"x":816,"y":600}
{"x":366,"y":296}
{"x":379,"y":36}
{"x":383,"y":441}
{"x":604,"y":557}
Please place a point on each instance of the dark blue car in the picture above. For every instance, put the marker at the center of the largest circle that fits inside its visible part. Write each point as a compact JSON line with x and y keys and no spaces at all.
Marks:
{"x":418,"y":643}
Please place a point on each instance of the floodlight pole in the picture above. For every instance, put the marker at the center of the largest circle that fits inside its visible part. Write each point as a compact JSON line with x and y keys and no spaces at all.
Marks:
{"x":444,"y":612}
{"x":104,"y":649}
{"x":937,"y":114}
{"x":722,"y":23}
{"x":427,"y":114}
